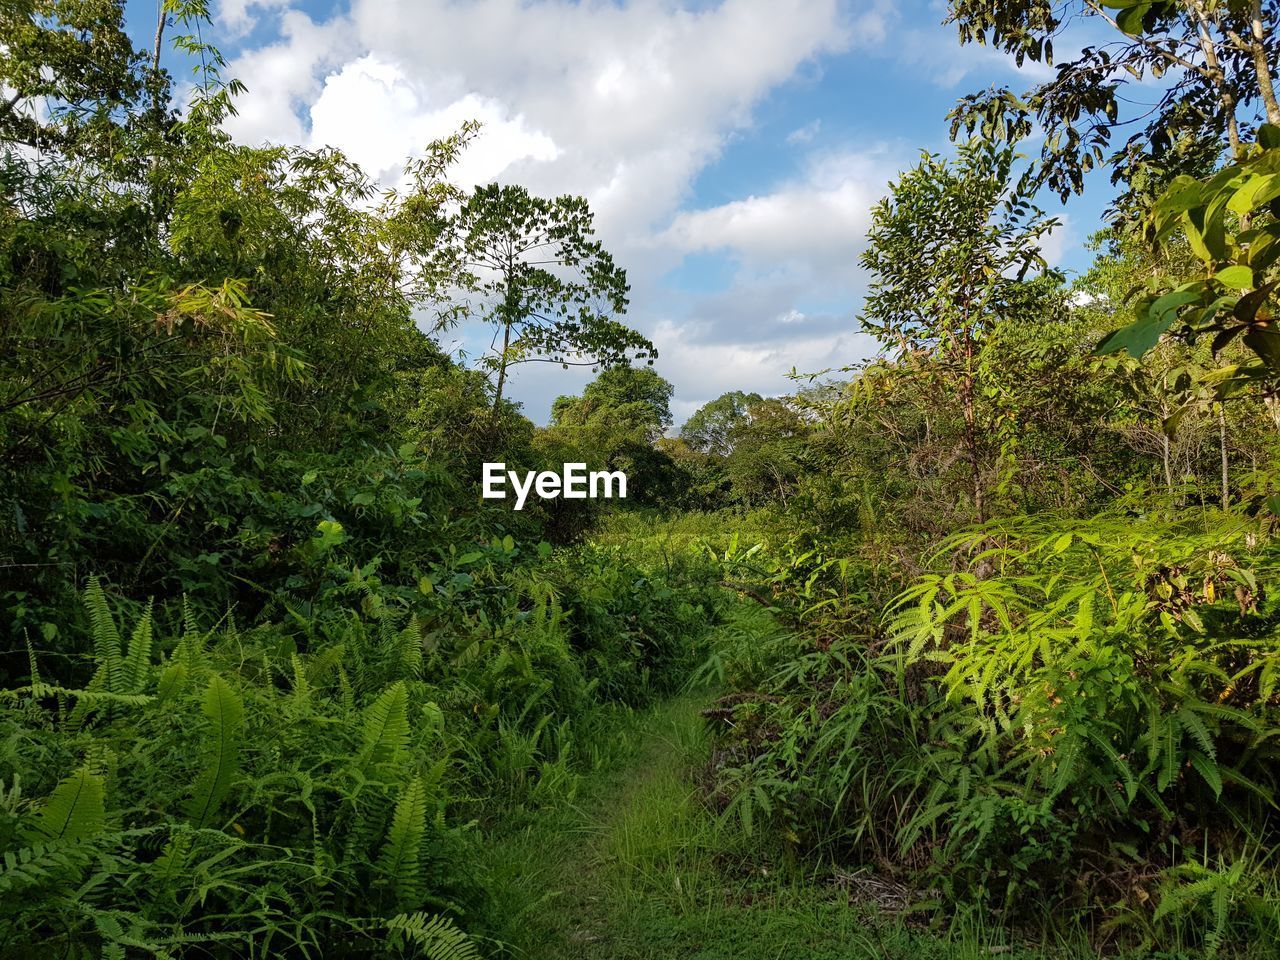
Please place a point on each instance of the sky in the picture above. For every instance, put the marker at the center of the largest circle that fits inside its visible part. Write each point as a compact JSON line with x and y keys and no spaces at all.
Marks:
{"x":731,"y":151}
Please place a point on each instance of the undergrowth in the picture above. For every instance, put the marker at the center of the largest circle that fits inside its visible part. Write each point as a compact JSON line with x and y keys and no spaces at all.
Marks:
{"x":1069,"y":725}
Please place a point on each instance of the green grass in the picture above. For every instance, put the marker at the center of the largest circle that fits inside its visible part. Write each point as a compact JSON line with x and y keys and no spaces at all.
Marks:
{"x":637,"y":868}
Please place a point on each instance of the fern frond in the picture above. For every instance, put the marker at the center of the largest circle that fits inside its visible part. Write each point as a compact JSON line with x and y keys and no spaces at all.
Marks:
{"x":400,"y":863}
{"x":386,"y":726}
{"x":43,"y":863}
{"x":348,"y":693}
{"x":90,"y":697}
{"x":437,"y":936}
{"x":320,"y":664}
{"x":301,"y":687}
{"x":76,"y":810}
{"x":410,"y":652}
{"x":137,"y":662}
{"x":32,"y":666}
{"x":106,"y":639}
{"x":225,"y":711}
{"x":172,"y":679}
{"x":190,"y":649}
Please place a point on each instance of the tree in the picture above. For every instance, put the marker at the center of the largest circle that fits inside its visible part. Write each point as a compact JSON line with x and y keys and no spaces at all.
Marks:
{"x":1210,"y":61}
{"x":75,"y":59}
{"x":767,"y":445}
{"x":1225,"y":292}
{"x":950,"y":251}
{"x":548,"y":288}
{"x":711,"y":427}
{"x":615,"y":425}
{"x":636,"y":396}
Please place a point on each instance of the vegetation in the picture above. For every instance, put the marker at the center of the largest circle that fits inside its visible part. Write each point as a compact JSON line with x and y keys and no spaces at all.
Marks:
{"x":972,"y":648}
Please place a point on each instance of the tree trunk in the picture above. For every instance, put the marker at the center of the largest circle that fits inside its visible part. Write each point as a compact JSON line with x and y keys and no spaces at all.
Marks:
{"x":971,"y":431}
{"x":509,"y":311}
{"x":502,"y":369}
{"x":1222,"y":450}
{"x":1166,"y":451}
{"x":1214,"y":69}
{"x":1258,"y":50}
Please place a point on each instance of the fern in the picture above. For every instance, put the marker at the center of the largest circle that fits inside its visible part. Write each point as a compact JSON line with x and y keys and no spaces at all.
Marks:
{"x":43,"y":863}
{"x":137,"y":661}
{"x":106,"y":640}
{"x":225,"y":711}
{"x":76,"y":809}
{"x":172,"y":679}
{"x":438,"y":937}
{"x":385,"y":730}
{"x":410,"y":649}
{"x":400,"y":863}
{"x":301,"y":698}
{"x":87,"y":698}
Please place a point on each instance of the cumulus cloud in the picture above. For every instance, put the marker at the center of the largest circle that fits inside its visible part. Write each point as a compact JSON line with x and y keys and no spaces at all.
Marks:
{"x":284,"y":79}
{"x":626,"y":103}
{"x":378,"y":115}
{"x":237,"y":16}
{"x":810,"y":229}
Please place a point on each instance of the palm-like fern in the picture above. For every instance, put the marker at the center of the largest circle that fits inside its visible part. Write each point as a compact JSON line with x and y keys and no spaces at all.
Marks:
{"x":386,"y":726}
{"x":400,"y":864}
{"x":137,"y":659}
{"x":75,"y":810}
{"x":225,"y":711}
{"x":409,"y":642}
{"x":106,"y":640}
{"x":122,"y":671}
{"x":436,"y":936}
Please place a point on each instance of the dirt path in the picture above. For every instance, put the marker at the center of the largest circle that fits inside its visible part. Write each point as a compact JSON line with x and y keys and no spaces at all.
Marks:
{"x":638,"y":869}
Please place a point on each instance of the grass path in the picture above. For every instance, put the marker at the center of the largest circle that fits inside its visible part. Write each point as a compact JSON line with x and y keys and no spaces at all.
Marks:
{"x":636,"y":868}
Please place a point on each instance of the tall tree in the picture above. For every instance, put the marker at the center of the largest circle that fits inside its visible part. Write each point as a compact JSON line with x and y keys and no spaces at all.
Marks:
{"x":710,"y":429}
{"x":530,"y":267}
{"x":950,"y":252}
{"x":637,"y":397}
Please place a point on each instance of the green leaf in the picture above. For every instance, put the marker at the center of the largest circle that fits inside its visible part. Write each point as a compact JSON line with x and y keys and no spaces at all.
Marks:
{"x":1256,"y":191}
{"x":1137,"y":338}
{"x":1130,"y":19}
{"x":225,"y":712}
{"x":75,"y":810}
{"x":1237,"y":276}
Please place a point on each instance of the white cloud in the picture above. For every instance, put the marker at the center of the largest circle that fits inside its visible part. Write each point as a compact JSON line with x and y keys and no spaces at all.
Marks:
{"x":234,"y":15}
{"x":806,"y":133}
{"x":284,"y":78}
{"x":813,"y":227}
{"x":625,"y":103}
{"x":707,"y":370}
{"x":376,"y":114}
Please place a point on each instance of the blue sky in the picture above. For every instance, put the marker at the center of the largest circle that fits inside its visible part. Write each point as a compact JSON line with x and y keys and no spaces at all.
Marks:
{"x":732,"y":150}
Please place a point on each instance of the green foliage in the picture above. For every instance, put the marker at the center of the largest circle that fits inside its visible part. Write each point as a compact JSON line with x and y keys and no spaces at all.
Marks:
{"x":74,"y":811}
{"x":1229,"y":226}
{"x":1067,"y":692}
{"x":224,"y":710}
{"x":711,"y":427}
{"x":503,"y":245}
{"x":1208,"y":62}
